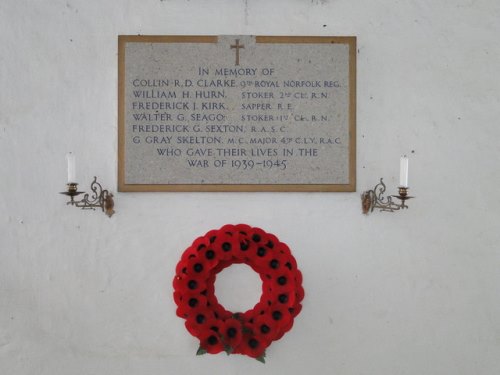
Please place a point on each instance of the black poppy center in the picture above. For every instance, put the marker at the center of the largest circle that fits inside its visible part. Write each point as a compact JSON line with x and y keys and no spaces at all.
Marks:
{"x":212,"y":340}
{"x":210,"y":254}
{"x":282,"y":280}
{"x":244,"y":246}
{"x":231,"y":332}
{"x":192,"y":284}
{"x":264,"y":328}
{"x":261,"y":251}
{"x":200,"y":318}
{"x":274,"y":264}
{"x":283,"y":298}
{"x":256,"y":237}
{"x":277,"y":315}
{"x":253,"y":343}
{"x":193,"y":302}
{"x":226,"y":246}
{"x":198,"y":267}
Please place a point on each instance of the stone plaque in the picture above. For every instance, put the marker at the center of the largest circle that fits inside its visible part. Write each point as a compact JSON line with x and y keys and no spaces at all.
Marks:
{"x":237,"y":113}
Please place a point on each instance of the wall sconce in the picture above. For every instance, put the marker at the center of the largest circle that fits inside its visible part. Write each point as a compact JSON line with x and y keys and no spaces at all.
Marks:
{"x":374,"y":198}
{"x":99,"y":198}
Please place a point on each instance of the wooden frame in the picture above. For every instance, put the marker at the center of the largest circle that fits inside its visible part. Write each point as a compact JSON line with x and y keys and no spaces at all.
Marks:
{"x":128,"y":187}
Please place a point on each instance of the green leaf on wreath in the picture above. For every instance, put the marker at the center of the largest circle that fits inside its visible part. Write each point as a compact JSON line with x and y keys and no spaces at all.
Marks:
{"x":201,"y":351}
{"x":262,"y":358}
{"x":237,"y":316}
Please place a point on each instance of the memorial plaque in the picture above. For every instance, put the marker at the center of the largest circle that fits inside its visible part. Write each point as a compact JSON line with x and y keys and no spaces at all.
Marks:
{"x":237,"y":113}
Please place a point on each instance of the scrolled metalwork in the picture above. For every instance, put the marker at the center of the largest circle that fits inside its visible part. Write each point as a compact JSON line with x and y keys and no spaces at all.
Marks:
{"x":375,"y":198}
{"x":98,"y":198}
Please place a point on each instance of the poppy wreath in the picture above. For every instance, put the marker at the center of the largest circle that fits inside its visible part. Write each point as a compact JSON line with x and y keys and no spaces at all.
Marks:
{"x":250,"y":332}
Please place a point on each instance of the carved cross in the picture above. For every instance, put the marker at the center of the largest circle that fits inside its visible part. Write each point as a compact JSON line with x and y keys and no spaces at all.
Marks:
{"x":237,"y":46}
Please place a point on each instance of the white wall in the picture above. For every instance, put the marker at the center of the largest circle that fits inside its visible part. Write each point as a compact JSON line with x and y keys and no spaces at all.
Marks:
{"x":413,"y":292}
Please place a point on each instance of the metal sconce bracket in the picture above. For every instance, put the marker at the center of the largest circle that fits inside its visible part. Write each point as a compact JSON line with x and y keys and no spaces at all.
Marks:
{"x":374,"y":198}
{"x":99,"y":198}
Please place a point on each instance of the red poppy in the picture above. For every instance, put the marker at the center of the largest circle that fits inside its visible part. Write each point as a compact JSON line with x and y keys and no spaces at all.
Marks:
{"x":190,"y":303}
{"x":276,"y":262}
{"x":220,"y":266}
{"x":252,"y":346}
{"x":267,"y":294}
{"x":181,"y":267}
{"x":265,"y":326}
{"x":200,"y":320}
{"x":299,"y":292}
{"x":272,"y":240}
{"x":275,"y":289}
{"x":295,"y":310}
{"x":224,"y":245}
{"x":281,"y":315}
{"x":196,"y":267}
{"x":218,"y":309}
{"x":258,"y":236}
{"x":286,"y":298}
{"x":212,"y":235}
{"x":243,"y":229}
{"x":228,"y":229}
{"x":244,"y":249}
{"x":189,"y":284}
{"x":259,"y":309}
{"x":284,"y":249}
{"x":284,"y":279}
{"x":232,"y":332}
{"x":262,"y":256}
{"x":209,"y":257}
{"x":200,"y":243}
{"x":211,"y":342}
{"x":298,"y":277}
{"x":189,"y":253}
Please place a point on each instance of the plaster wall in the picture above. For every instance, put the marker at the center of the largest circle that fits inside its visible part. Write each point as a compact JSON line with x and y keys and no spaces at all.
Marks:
{"x":407,"y":293}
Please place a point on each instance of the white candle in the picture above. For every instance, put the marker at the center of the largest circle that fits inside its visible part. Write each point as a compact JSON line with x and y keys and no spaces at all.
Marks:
{"x":71,"y":168}
{"x":403,"y":171}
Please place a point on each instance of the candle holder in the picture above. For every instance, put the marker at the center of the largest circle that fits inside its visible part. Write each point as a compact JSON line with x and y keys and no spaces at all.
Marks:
{"x":99,"y":198}
{"x":374,"y":198}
